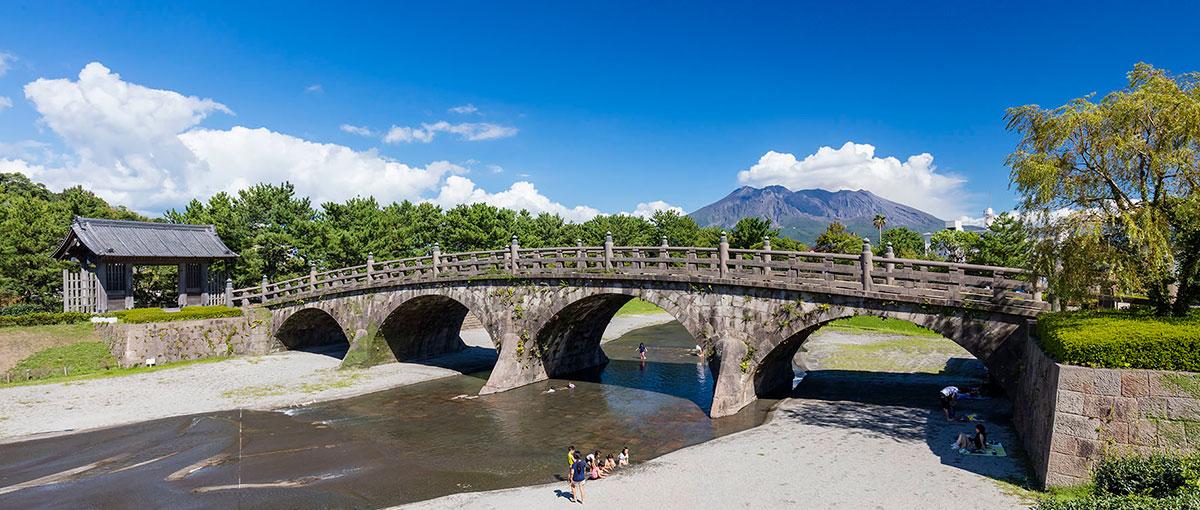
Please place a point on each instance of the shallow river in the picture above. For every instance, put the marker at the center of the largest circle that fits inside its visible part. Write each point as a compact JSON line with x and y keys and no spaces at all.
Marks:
{"x":396,"y":446}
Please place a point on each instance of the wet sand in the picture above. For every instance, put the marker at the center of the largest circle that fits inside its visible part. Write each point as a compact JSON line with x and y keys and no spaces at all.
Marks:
{"x":830,"y":446}
{"x":259,"y":382}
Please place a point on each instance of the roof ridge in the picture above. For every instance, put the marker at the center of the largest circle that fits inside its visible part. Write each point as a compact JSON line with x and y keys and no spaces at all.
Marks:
{"x":143,"y":224}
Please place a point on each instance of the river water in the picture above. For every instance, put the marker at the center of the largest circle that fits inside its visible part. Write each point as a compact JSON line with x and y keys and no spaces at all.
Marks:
{"x":402,"y":445}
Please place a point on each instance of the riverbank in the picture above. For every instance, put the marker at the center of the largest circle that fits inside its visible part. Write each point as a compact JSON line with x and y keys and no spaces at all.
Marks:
{"x":832,"y":445}
{"x":259,"y":382}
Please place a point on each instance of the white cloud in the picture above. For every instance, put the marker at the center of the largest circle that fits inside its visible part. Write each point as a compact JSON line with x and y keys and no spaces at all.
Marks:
{"x":647,"y":209}
{"x":521,"y":195}
{"x":143,"y":148}
{"x":915,"y":182}
{"x":470,"y":131}
{"x":464,"y":109}
{"x":315,"y":88}
{"x":496,"y":169}
{"x":5,"y":102}
{"x":5,"y":60}
{"x":357,"y":130}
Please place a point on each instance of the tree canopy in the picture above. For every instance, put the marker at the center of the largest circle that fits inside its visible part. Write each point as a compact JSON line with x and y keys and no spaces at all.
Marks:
{"x":1118,"y":179}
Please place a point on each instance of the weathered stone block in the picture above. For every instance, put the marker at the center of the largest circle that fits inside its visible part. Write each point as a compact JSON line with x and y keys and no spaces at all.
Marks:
{"x":1153,"y":407}
{"x":1076,"y":379}
{"x":1067,"y":467}
{"x":1107,"y":382}
{"x":1070,"y":402}
{"x":1076,"y":425}
{"x":1098,"y":406}
{"x":1183,"y":409}
{"x":1135,"y":384}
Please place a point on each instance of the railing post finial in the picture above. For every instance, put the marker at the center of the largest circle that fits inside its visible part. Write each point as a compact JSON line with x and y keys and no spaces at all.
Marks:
{"x":767,"y":243}
{"x":512,"y":254}
{"x":723,"y":255}
{"x":865,"y":265}
{"x":608,"y":251}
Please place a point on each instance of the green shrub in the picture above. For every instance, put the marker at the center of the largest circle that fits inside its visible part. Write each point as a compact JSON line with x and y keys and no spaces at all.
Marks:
{"x":78,"y":359}
{"x":1157,"y":476}
{"x":1190,"y":501}
{"x":1123,"y":339}
{"x":144,"y":315}
{"x":43,"y":318}
{"x":20,"y":309}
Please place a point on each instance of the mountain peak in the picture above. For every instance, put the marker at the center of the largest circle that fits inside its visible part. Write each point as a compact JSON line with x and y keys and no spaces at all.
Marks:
{"x":803,"y":214}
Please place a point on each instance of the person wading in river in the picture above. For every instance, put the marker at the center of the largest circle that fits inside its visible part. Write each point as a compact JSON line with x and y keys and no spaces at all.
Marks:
{"x":642,"y":350}
{"x":579,"y":476}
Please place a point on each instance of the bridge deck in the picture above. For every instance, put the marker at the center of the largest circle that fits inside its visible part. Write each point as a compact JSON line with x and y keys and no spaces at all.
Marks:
{"x":1010,"y":290}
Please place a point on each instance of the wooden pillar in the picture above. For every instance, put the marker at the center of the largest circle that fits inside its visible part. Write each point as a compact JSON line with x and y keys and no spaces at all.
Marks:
{"x":65,"y":291}
{"x":129,"y":304}
{"x":101,"y":287}
{"x":182,"y":287}
{"x":204,"y":290}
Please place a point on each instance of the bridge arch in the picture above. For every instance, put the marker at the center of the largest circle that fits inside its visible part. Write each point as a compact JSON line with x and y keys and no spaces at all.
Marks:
{"x":986,"y":338}
{"x":313,"y":329}
{"x":424,"y":326}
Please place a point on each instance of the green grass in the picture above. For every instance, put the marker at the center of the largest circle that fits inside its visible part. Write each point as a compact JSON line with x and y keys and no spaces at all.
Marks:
{"x":911,"y":354}
{"x":144,"y":315}
{"x":79,"y":358}
{"x":637,"y":306}
{"x":67,"y":333}
{"x":1121,"y":339}
{"x":882,"y":325}
{"x":103,"y":373}
{"x":43,"y":318}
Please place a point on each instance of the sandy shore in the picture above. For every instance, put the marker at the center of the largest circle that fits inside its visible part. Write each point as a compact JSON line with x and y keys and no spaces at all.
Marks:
{"x":816,"y":451}
{"x":259,"y":382}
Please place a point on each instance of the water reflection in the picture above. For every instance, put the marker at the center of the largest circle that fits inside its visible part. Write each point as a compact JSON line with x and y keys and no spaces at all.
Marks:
{"x":402,"y":445}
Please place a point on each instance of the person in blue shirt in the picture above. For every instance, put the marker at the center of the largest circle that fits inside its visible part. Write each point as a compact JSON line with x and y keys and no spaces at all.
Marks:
{"x":579,"y":476}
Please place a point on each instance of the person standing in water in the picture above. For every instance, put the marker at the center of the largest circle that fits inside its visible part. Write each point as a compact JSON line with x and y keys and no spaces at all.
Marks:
{"x":642,"y":350}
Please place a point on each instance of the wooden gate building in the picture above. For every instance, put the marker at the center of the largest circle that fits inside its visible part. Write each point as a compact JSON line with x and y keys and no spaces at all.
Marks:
{"x":107,"y":251}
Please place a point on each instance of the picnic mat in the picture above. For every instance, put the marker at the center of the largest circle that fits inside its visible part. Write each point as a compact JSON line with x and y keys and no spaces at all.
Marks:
{"x":992,"y":450}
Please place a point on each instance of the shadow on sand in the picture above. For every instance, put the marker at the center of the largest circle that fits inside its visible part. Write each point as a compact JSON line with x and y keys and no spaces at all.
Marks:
{"x":905,"y":407}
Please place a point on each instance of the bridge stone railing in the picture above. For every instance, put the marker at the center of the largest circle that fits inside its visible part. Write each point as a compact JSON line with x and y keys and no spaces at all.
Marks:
{"x":883,"y":277}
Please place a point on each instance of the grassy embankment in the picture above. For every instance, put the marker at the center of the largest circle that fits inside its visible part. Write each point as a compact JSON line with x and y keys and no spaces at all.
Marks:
{"x":55,"y":353}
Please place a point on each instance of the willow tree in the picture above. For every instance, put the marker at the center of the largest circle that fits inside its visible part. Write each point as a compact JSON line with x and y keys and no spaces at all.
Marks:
{"x":1112,"y":188}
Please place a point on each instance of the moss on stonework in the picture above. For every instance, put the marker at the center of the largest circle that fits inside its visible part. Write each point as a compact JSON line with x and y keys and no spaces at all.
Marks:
{"x":370,"y":350}
{"x":1189,"y":384}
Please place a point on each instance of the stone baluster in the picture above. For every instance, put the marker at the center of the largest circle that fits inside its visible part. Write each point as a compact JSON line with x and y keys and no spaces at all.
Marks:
{"x":955,"y":282}
{"x":262,"y":290}
{"x":889,"y":254}
{"x":663,"y":254}
{"x":766,"y":256}
{"x":997,"y":286}
{"x":437,"y":259}
{"x":370,"y":266}
{"x":723,"y":256}
{"x":580,"y":255}
{"x":512,"y":253}
{"x":866,"y":260}
{"x":312,"y":277}
{"x":229,"y":292}
{"x":608,"y":251}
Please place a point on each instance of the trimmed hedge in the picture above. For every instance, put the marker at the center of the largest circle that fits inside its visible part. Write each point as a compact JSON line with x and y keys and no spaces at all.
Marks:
{"x":1157,"y":476}
{"x":1121,"y":339}
{"x":20,"y":309}
{"x":44,"y":318}
{"x":1181,"y":502}
{"x":145,"y":315}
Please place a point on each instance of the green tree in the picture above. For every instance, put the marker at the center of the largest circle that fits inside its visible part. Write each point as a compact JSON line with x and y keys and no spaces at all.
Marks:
{"x":626,"y":230}
{"x":836,"y":239}
{"x":750,"y":231}
{"x":679,"y":229}
{"x":906,"y":242}
{"x":879,"y":221}
{"x":1005,"y":243}
{"x":956,"y":245}
{"x":1122,"y":165}
{"x":31,"y":228}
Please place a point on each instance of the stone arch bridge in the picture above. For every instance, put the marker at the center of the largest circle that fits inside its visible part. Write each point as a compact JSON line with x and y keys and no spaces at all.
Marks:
{"x":546,"y":308}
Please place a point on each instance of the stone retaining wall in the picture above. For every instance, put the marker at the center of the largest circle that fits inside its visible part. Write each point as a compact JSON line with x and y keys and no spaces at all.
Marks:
{"x":1069,"y":417}
{"x":133,"y":344}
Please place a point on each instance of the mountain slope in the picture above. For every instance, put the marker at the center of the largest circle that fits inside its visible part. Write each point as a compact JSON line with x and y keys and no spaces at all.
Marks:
{"x":804,"y":214}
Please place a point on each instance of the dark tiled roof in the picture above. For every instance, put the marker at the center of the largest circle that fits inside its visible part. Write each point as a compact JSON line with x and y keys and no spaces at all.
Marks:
{"x":142,"y":239}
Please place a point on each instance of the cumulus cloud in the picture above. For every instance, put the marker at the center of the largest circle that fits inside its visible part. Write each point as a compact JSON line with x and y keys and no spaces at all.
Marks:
{"x":140,"y":147}
{"x":5,"y":102}
{"x":357,"y":130}
{"x":521,"y":195}
{"x":915,"y":181}
{"x":647,"y":209}
{"x":464,"y":109}
{"x":470,"y":131}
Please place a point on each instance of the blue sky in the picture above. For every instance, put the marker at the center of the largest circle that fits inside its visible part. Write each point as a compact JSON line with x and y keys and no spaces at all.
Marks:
{"x":590,"y":108}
